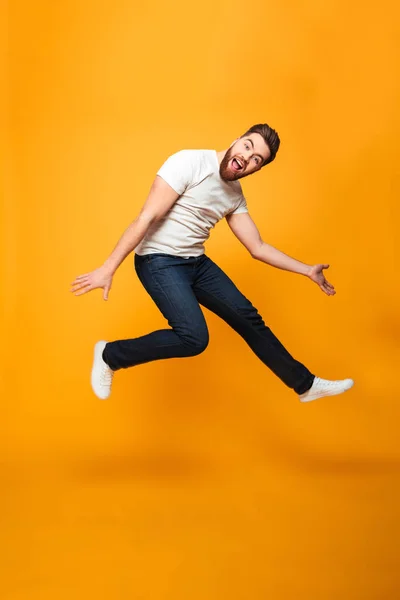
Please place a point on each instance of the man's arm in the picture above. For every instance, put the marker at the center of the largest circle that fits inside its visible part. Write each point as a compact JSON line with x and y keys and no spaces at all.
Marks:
{"x":248,"y":234}
{"x":160,"y":200}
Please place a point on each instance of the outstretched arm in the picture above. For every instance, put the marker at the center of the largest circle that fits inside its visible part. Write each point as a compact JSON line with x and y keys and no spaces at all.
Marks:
{"x":248,"y":234}
{"x":159,"y":201}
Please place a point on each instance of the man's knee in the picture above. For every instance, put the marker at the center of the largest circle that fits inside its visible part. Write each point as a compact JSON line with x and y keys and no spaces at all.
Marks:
{"x":201,"y":345}
{"x":197,"y":342}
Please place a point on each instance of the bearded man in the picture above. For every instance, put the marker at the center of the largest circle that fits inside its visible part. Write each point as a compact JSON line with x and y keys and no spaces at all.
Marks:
{"x":192,"y":191}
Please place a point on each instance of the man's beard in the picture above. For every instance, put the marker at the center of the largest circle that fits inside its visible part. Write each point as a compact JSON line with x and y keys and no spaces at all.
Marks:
{"x":225,"y":172}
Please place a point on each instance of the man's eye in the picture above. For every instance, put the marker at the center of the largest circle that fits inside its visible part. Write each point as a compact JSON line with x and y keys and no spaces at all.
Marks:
{"x":257,"y":160}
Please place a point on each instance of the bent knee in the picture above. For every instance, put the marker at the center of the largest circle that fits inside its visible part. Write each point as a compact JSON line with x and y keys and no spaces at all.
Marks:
{"x":200,"y":346}
{"x":196,"y":344}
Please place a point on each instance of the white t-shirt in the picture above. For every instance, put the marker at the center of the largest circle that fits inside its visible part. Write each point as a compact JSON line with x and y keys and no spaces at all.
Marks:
{"x":204,"y":199}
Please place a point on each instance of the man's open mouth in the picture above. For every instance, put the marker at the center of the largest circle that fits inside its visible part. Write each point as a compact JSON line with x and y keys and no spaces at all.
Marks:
{"x":237,"y":164}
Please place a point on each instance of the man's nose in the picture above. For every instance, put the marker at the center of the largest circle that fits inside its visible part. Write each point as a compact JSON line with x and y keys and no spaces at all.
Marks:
{"x":247,"y":155}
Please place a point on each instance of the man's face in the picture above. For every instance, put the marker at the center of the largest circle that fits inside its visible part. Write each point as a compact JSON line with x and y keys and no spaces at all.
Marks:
{"x":245,"y":156}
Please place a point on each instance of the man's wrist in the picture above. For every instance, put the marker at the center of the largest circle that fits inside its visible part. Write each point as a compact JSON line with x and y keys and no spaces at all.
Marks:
{"x":308,"y":270}
{"x":109,"y":267}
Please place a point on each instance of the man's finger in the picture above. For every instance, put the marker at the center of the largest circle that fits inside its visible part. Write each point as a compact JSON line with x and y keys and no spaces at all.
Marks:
{"x":78,"y":286}
{"x":85,"y":281}
{"x":327,"y":290}
{"x":86,"y":289}
{"x":80,"y":277}
{"x":79,"y":281}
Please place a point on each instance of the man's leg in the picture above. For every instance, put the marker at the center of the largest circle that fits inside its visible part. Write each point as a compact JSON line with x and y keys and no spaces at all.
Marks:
{"x":218,"y":293}
{"x":168,"y":280}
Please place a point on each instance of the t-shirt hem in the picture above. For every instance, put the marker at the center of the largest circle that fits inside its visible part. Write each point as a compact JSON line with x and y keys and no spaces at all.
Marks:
{"x":170,"y":254}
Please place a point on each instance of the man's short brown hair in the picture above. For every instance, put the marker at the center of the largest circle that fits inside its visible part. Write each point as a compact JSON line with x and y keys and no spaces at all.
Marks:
{"x":270,"y":136}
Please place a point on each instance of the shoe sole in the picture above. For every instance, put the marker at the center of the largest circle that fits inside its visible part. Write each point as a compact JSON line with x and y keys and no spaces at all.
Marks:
{"x":98,"y":350}
{"x":324,"y":395}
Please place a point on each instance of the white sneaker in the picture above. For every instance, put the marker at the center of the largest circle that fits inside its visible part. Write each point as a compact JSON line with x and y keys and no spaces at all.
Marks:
{"x":324,"y":387}
{"x":102,"y":375}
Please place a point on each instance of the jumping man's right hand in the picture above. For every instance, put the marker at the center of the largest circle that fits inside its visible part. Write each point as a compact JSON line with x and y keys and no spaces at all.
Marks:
{"x":99,"y":278}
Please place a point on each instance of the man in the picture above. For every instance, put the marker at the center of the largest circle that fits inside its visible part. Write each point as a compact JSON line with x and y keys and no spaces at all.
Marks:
{"x":192,"y":191}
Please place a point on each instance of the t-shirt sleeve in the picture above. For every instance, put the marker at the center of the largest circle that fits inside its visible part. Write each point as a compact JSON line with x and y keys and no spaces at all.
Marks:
{"x":178,"y":170}
{"x":241,"y":207}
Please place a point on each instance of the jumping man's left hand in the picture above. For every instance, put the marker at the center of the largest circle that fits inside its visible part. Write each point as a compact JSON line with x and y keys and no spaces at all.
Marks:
{"x":316,"y":275}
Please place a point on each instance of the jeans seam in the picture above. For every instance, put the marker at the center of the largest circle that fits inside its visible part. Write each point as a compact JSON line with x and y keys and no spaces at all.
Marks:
{"x":223,"y":299}
{"x":160,"y":288}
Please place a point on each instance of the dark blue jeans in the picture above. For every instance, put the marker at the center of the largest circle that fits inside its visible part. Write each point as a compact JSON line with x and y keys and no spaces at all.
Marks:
{"x":178,"y":286}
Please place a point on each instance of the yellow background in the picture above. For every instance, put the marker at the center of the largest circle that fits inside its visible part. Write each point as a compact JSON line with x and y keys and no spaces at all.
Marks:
{"x":202,"y":478}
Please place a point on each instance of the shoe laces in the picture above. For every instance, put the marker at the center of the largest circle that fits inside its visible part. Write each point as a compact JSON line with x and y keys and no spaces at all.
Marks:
{"x":326,"y":383}
{"x":106,"y":375}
